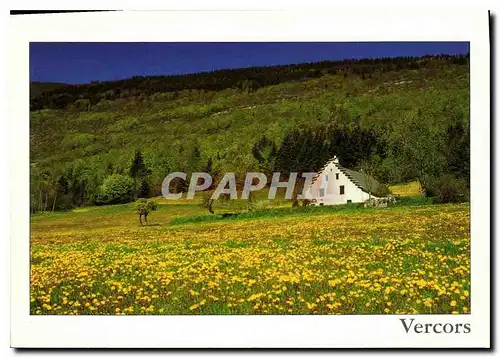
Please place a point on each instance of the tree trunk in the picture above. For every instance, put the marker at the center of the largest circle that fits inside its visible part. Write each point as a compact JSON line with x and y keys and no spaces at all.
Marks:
{"x":298,"y":187}
{"x":423,"y":183}
{"x":40,"y":200}
{"x":249,"y":201}
{"x":54,"y":203}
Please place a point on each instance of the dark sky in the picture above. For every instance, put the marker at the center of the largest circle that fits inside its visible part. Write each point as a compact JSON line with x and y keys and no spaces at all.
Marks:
{"x":85,"y":62}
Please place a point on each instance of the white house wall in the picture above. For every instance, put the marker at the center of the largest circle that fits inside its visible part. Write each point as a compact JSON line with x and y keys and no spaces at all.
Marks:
{"x":332,"y":192}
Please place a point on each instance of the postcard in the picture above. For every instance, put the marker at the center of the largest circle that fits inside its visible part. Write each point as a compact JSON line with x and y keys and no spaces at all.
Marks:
{"x":232,"y":179}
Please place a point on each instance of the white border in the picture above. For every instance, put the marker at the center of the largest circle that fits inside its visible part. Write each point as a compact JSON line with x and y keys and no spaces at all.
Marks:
{"x":246,"y":331}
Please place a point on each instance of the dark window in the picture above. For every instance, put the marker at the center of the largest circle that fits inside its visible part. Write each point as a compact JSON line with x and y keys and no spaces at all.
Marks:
{"x":342,"y":191}
{"x":349,"y":201}
{"x":337,"y":176}
{"x":321,"y":192}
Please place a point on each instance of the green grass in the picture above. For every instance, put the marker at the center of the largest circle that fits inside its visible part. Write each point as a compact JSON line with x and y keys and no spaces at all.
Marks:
{"x":173,"y":213}
{"x":446,"y":248}
{"x":276,"y":212}
{"x":414,"y":201}
{"x":236,"y":244}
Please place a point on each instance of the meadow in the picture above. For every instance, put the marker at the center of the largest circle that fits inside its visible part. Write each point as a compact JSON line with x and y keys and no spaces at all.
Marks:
{"x":404,"y":259}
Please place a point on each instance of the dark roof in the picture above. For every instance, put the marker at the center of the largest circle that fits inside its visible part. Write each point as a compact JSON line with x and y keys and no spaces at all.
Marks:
{"x":365,"y":182}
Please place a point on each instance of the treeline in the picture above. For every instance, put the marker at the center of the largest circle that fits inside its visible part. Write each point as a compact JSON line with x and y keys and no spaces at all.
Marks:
{"x":439,"y":160}
{"x":69,"y":188}
{"x":246,"y":79}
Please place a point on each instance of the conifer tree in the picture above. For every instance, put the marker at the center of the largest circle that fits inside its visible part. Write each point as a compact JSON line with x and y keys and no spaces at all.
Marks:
{"x":139,"y":173}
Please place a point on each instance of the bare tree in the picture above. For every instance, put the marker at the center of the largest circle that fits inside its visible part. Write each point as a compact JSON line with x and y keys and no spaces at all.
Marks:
{"x":207,"y":201}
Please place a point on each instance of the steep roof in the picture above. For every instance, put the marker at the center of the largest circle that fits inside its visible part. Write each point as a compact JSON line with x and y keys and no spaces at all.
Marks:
{"x":363,"y":181}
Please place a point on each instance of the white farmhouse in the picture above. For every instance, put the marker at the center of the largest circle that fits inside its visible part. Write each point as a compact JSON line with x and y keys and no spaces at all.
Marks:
{"x":335,"y":185}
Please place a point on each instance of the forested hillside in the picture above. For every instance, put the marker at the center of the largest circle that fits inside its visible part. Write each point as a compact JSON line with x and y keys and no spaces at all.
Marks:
{"x":399,"y":119}
{"x":37,"y":89}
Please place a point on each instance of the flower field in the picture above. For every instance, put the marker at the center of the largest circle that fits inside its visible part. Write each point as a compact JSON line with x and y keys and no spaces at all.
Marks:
{"x":398,"y":260}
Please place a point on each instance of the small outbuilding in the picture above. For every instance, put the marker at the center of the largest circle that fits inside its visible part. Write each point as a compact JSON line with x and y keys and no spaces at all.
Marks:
{"x":335,"y":185}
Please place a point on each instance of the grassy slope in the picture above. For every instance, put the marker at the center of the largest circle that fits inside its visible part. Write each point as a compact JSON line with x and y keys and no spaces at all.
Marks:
{"x":166,"y":129}
{"x":409,"y":189}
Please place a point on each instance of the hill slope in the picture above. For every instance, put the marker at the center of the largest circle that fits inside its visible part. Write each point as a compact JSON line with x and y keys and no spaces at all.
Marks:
{"x":76,"y":147}
{"x":38,"y":88}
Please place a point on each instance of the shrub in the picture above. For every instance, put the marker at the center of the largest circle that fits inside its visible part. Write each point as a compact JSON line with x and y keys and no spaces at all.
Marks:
{"x":149,"y":204}
{"x":260,"y":205}
{"x":116,"y":189}
{"x":449,"y":189}
{"x":64,"y":202}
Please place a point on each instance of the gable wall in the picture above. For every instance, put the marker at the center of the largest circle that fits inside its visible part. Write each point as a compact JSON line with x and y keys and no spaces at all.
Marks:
{"x":332,"y":192}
